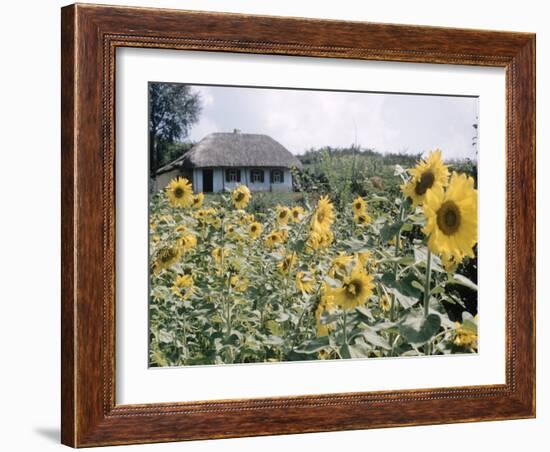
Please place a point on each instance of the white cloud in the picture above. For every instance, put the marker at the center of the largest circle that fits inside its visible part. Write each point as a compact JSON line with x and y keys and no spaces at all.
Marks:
{"x":302,"y":119}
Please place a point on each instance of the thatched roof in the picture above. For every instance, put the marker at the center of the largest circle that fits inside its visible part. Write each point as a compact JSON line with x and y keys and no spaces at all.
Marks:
{"x":235,"y":149}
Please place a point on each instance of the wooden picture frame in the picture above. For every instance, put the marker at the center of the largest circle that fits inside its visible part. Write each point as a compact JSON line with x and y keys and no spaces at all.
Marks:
{"x":90,"y":35}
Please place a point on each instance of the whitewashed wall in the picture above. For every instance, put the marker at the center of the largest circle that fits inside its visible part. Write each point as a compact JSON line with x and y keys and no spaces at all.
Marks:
{"x":219,"y":183}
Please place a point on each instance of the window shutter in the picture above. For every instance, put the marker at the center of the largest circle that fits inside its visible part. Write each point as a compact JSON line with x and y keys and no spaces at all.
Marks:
{"x":271,"y":176}
{"x":226,"y":171}
{"x":238,"y":175}
{"x":262,"y":174}
{"x":282,"y":176}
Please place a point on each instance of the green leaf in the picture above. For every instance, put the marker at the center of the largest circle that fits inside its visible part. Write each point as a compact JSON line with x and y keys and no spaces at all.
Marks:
{"x":417,"y":329}
{"x":390,"y":231}
{"x":358,"y":350}
{"x":373,"y":338}
{"x":314,"y":345}
{"x":463,"y":281}
{"x":421,"y":255}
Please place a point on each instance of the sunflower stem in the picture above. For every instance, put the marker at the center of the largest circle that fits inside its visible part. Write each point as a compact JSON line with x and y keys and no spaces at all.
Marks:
{"x":427,"y":294}
{"x":427,"y":283}
{"x":345,"y":327}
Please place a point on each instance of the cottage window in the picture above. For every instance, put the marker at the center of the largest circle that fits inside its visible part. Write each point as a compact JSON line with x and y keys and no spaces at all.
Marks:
{"x":257,"y":176}
{"x":277,"y":176}
{"x":233,"y":175}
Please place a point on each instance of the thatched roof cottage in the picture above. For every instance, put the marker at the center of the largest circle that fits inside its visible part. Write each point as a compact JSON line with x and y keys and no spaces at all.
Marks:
{"x":221,"y":161}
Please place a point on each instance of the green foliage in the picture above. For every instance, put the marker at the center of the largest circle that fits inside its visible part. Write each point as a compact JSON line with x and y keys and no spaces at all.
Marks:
{"x":270,"y":319}
{"x":173,"y":109}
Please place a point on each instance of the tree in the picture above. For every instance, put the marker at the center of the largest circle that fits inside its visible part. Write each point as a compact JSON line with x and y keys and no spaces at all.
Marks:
{"x":173,"y":109}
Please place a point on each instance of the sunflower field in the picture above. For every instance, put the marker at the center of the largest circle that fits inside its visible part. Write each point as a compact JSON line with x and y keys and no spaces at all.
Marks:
{"x":374,"y":278}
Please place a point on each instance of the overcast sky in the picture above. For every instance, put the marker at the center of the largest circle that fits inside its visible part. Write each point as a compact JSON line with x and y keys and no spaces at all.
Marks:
{"x":300,"y":119}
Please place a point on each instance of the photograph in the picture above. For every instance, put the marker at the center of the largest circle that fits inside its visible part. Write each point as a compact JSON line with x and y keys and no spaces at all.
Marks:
{"x":302,"y":224}
{"x":293,"y":224}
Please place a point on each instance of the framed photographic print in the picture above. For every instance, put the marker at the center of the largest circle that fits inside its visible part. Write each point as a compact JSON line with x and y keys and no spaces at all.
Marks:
{"x":281,"y":225}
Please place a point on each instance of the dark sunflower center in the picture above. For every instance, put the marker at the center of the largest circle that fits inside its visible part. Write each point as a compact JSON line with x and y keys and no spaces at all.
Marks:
{"x":167,"y":255}
{"x":295,"y":214}
{"x":357,"y":205}
{"x":282,"y":214}
{"x":425,"y":183}
{"x":239,"y":197}
{"x":178,"y":192}
{"x":353,"y":288}
{"x":448,"y":218}
{"x":321,"y":217}
{"x":254,"y":228}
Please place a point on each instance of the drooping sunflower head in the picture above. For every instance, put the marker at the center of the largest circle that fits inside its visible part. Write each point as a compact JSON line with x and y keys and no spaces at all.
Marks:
{"x":355,"y":290}
{"x":198,"y":200}
{"x":362,"y":219}
{"x":187,"y":241}
{"x":254,"y":230}
{"x":166,"y":257}
{"x":304,"y":282}
{"x":326,"y":305}
{"x":358,"y":205}
{"x":287,"y":263}
{"x":452,"y":218}
{"x":283,"y":215}
{"x":238,"y":283}
{"x":241,"y":196}
{"x":183,"y":286}
{"x":339,"y":265}
{"x":323,"y":216}
{"x":297,"y":214}
{"x":428,"y":174}
{"x":180,"y":192}
{"x":465,"y":336}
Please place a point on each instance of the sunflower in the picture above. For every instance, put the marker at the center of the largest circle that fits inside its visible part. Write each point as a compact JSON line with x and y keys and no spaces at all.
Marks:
{"x":245,"y":218}
{"x":198,"y":200}
{"x":238,"y":283}
{"x":166,"y":257}
{"x":323,"y":216}
{"x":326,"y":304}
{"x":283,"y":215}
{"x":287,"y":263}
{"x":427,"y":174}
{"x":187,"y":241}
{"x":180,"y":192}
{"x":218,"y":254}
{"x":358,"y":205}
{"x":304,"y":282}
{"x":319,"y":240}
{"x":241,"y":196}
{"x":450,"y":262}
{"x":356,"y":288}
{"x":362,"y":257}
{"x":385,"y":303}
{"x":362,"y":219}
{"x":465,"y":337}
{"x":183,"y":286}
{"x":296,"y":214}
{"x":339,"y":264}
{"x":254,"y":230}
{"x":216,"y":223}
{"x":452,"y":218}
{"x":231,"y":232}
{"x":275,"y":238}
